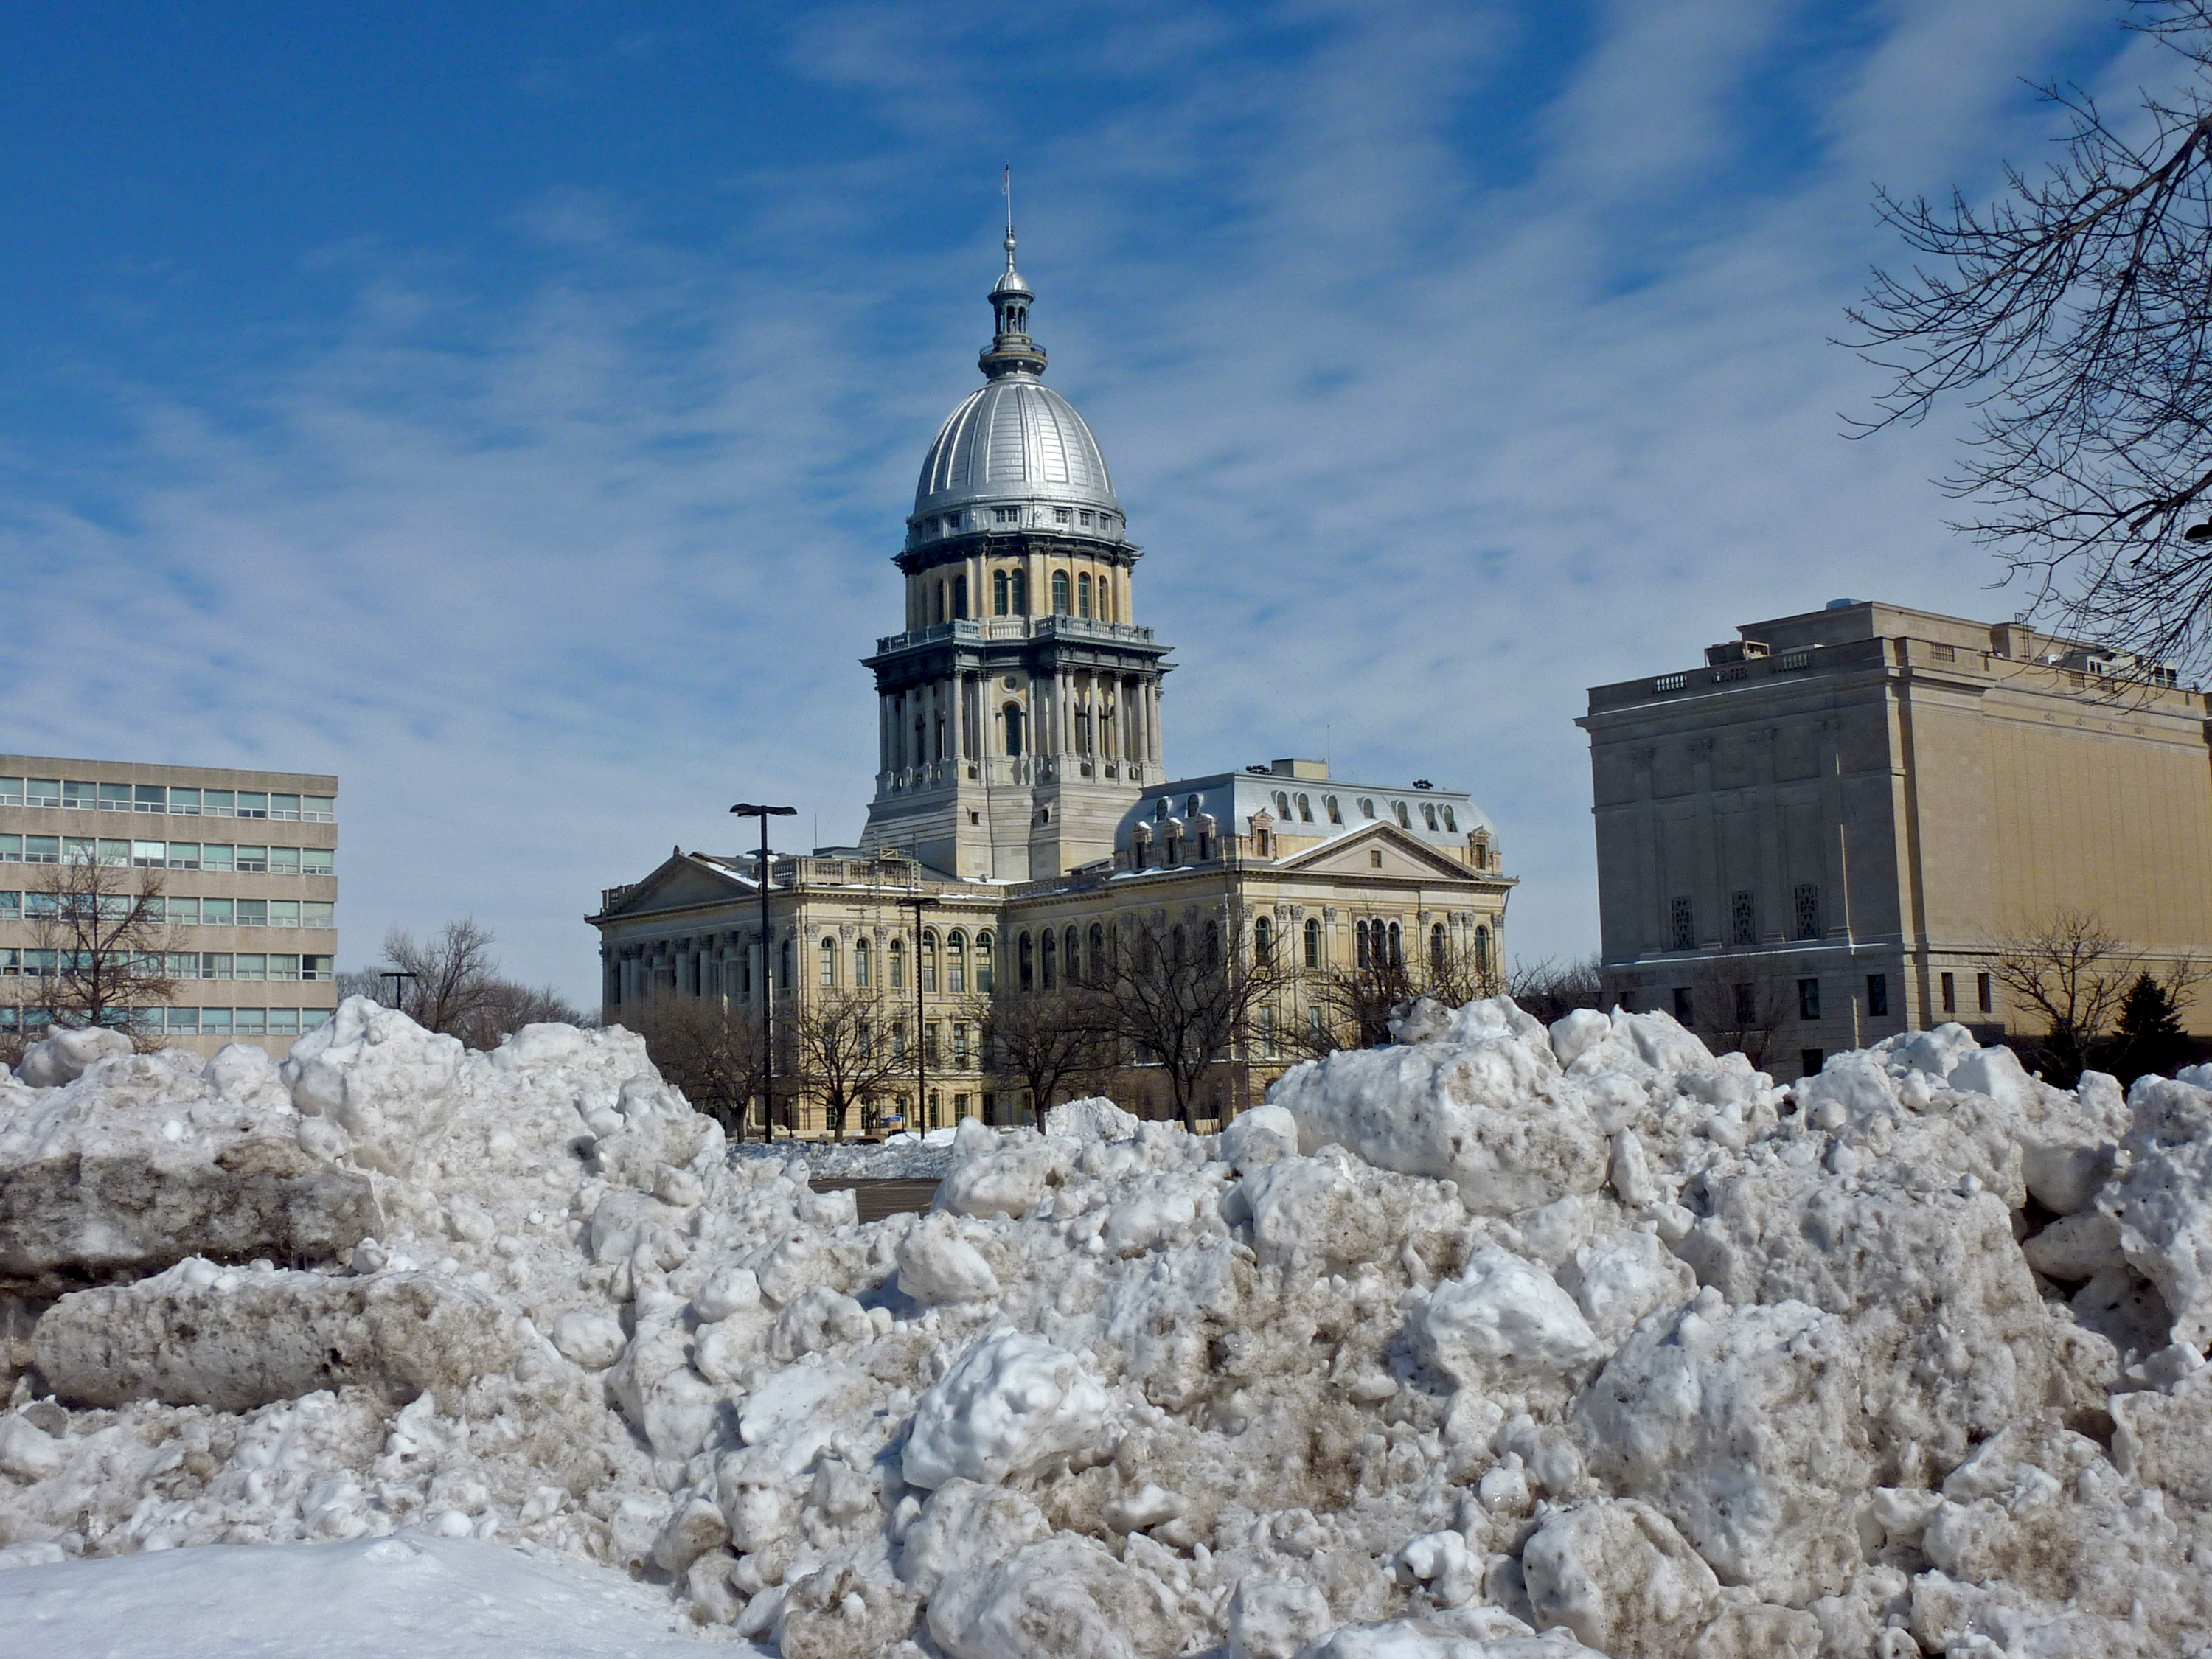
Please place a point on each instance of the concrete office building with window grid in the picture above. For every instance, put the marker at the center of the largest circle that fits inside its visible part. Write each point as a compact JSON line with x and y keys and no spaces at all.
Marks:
{"x":1023,"y":798}
{"x":247,"y":861}
{"x":1843,"y":813}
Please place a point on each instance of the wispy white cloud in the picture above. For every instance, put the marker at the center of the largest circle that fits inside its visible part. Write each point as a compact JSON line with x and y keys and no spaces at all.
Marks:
{"x":1443,"y":378}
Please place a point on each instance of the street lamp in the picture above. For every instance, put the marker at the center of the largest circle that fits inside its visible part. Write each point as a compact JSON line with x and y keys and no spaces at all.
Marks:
{"x":751,"y":810}
{"x":396,"y":975}
{"x":921,"y":1031}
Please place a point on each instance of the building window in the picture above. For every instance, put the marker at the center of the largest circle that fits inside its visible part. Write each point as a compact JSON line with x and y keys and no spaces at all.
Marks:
{"x":1743,"y":917}
{"x":959,"y":598}
{"x":1366,"y":807}
{"x":1267,"y":1031}
{"x":1098,"y":953}
{"x":1263,"y":941}
{"x":1025,"y":955}
{"x":1685,"y":1014}
{"x":1060,"y":515}
{"x":1018,"y":582}
{"x":1429,"y":817}
{"x":1482,"y":953}
{"x":1071,"y":958}
{"x":1877,"y":994}
{"x":1329,"y":804}
{"x":1006,"y":514}
{"x":828,"y":963}
{"x":1438,"y":949}
{"x":1059,"y":593}
{"x":1451,"y":823}
{"x":960,"y":1056}
{"x":1809,"y":999}
{"x":1305,"y":809}
{"x":998,"y":593}
{"x":1082,"y":595}
{"x":1809,"y":1062}
{"x":1048,"y":952}
{"x":784,"y":967}
{"x":1375,"y":859}
{"x":1013,"y":719}
{"x":1982,"y":998}
{"x":1744,"y":1015}
{"x":1405,"y":819}
{"x":1397,"y":950}
{"x":898,"y":956}
{"x":1682,"y":923}
{"x":929,"y":964}
{"x":1313,"y":944}
{"x":983,"y":973}
{"x":956,"y":963}
{"x":860,"y":953}
{"x":1950,"y":984}
{"x":1360,"y":951}
{"x":1282,"y":806}
{"x":1808,"y":910}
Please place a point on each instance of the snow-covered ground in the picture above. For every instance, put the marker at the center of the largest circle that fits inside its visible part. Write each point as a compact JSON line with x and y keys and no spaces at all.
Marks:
{"x":1500,"y":1343}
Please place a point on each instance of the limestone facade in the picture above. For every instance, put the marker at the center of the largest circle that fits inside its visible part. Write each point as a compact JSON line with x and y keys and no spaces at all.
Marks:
{"x":1857,"y":805}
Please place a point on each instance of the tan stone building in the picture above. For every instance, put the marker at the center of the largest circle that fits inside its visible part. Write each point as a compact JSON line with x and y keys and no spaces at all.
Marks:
{"x":1846,"y":811}
{"x":1022,"y":795}
{"x":248,"y":864}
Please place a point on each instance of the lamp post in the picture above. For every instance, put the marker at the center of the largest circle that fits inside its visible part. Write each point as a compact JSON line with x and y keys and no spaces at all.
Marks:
{"x":396,"y":975}
{"x":921,"y":1031}
{"x":751,"y":810}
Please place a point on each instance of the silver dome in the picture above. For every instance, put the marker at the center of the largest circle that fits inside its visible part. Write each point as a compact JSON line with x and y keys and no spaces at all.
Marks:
{"x":1014,"y":441}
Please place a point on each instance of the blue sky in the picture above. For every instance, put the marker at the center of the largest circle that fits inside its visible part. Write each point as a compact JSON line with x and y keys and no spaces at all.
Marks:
{"x":514,"y":409}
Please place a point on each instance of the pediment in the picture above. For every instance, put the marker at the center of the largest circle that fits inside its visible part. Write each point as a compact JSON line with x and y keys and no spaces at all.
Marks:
{"x":682,"y":883}
{"x":1403,"y":855}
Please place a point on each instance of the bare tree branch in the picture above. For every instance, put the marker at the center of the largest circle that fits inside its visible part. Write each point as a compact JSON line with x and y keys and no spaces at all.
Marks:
{"x":102,"y":940}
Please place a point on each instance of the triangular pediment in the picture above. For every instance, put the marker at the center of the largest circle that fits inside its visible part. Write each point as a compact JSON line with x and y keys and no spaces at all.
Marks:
{"x":1353,"y":855}
{"x":681,"y":883}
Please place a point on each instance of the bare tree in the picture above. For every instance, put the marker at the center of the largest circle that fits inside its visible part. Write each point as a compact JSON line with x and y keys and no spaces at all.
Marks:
{"x":847,"y":1048}
{"x":2074,"y":317}
{"x":450,"y":983}
{"x":1741,"y":1010}
{"x":1050,"y":1041}
{"x":1548,"y":989}
{"x":709,"y":1048}
{"x":2075,"y":973}
{"x":102,"y":939}
{"x":1180,"y":997}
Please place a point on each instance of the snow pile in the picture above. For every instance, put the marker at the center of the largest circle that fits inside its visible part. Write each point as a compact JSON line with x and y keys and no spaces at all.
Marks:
{"x":901,"y":1157}
{"x":1499,"y":1343}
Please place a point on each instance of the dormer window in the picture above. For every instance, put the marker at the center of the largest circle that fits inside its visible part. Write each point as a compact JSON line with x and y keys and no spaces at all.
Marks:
{"x":1405,"y":820}
{"x":1336,"y":812}
{"x":1366,"y":807}
{"x":1450,"y":822}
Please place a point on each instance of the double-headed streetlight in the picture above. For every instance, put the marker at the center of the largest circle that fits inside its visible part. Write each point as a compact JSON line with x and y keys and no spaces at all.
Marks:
{"x":750,"y":809}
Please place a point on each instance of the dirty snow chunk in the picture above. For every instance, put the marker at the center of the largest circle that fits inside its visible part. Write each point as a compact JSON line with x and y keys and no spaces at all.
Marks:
{"x":203,"y":1335}
{"x":1273,"y":1615}
{"x":382,"y":1078}
{"x":1503,"y":1320}
{"x":1064,"y":1596}
{"x":1617,"y":1280}
{"x":936,"y":1266}
{"x":1438,"y":1637}
{"x":1011,"y":1180}
{"x":27,"y":1452}
{"x":1621,"y":1578}
{"x":1742,"y":1426}
{"x":1259,"y":1137}
{"x":593,"y":1340}
{"x":63,"y":1056}
{"x":1011,"y":1402}
{"x":2162,"y":1206}
{"x":1093,"y":1118}
{"x":410,"y":1596}
{"x":1477,"y":1112}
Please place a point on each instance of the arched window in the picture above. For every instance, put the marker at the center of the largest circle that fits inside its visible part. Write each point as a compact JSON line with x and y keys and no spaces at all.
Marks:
{"x":1450,"y":822}
{"x":783,"y":975}
{"x":1263,"y":941}
{"x":959,"y":598}
{"x":998,"y":593}
{"x":1397,"y":953}
{"x":860,"y":976}
{"x":956,"y":963}
{"x":1282,"y":806}
{"x":983,"y":975}
{"x":1305,"y":809}
{"x":1073,"y":955}
{"x":1026,"y":951}
{"x":1178,"y":944}
{"x":897,"y":954}
{"x":1097,"y":954}
{"x":1160,"y":810}
{"x":1366,"y":807}
{"x":1437,"y":949}
{"x":1018,"y":582}
{"x":929,"y":963}
{"x":1336,"y":812}
{"x":1059,"y":593}
{"x":828,"y":963}
{"x":1049,"y":951}
{"x":1313,"y":944}
{"x":1083,"y":596}
{"x":1362,"y":953}
{"x":1405,"y":819}
{"x":1013,"y":717}
{"x":1190,"y":807}
{"x":1213,"y":944}
{"x":1482,"y":951}
{"x":1428,"y":816}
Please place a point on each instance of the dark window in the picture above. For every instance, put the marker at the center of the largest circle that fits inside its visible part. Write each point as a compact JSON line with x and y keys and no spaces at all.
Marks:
{"x":1359,"y":943}
{"x":1981,"y":991}
{"x":1026,"y":951}
{"x":1950,"y":994}
{"x":1397,"y":948}
{"x":1684,"y":1014}
{"x":1682,"y":924}
{"x":1877,"y":994}
{"x":1313,"y":944}
{"x":1809,"y":999}
{"x":1744,"y":1013}
{"x":1809,"y":1062}
{"x":998,"y":593}
{"x":960,"y":598}
{"x":1808,"y":910}
{"x":1743,"y":918}
{"x":1263,"y":941}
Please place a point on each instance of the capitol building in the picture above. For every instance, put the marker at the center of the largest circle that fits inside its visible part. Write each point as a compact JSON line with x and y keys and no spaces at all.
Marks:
{"x":1024,"y":808}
